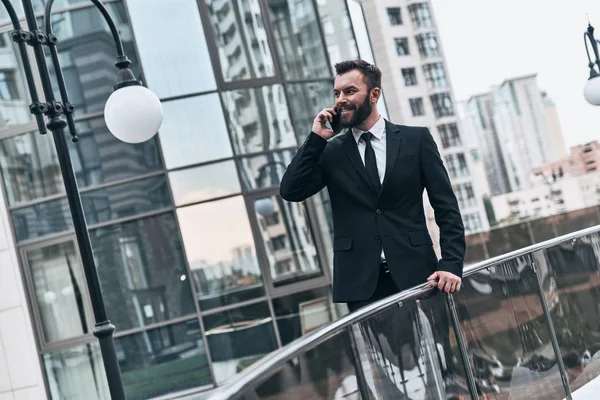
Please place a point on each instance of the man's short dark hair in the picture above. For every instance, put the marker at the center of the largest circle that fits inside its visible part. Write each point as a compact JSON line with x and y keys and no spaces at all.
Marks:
{"x":371,"y":73}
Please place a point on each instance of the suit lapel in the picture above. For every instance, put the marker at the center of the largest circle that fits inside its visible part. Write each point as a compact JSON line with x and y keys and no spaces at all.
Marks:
{"x":351,"y":149}
{"x":393,"y":139}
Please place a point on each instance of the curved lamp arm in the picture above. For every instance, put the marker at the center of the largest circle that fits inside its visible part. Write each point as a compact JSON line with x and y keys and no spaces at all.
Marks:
{"x":589,"y":36}
{"x":18,"y":32}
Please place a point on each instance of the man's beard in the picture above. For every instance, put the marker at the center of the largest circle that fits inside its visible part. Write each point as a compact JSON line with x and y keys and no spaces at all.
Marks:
{"x":361,"y":113}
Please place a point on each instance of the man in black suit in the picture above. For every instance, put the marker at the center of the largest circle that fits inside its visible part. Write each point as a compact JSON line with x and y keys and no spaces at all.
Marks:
{"x":376,"y":173}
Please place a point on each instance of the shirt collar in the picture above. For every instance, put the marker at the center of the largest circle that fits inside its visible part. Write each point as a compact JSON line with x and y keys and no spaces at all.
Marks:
{"x":377,"y":130}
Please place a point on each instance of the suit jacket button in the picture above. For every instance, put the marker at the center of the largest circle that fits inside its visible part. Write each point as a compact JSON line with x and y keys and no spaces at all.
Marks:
{"x":378,"y":211}
{"x":377,"y":237}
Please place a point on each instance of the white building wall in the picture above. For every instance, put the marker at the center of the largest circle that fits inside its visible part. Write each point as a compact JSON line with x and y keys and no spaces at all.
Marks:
{"x":397,"y":95}
{"x":20,"y":370}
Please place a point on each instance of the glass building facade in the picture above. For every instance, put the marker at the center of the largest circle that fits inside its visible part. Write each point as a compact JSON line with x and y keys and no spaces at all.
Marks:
{"x":204,"y":268}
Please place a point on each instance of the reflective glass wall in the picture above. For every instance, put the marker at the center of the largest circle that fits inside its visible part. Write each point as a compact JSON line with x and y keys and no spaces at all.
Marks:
{"x":197,"y":255}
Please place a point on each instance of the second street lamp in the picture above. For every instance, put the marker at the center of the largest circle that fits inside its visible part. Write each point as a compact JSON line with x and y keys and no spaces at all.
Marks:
{"x":133,"y":114}
{"x":591,"y":91}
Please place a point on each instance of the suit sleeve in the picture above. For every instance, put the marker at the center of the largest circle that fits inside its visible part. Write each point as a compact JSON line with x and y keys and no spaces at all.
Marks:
{"x":444,"y":203}
{"x":305,"y":176}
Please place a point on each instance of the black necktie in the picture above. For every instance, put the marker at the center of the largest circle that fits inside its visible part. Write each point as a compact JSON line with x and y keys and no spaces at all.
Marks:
{"x":371,"y":161}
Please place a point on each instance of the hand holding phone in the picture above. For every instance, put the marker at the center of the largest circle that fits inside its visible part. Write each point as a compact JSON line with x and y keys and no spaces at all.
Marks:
{"x":336,"y":121}
{"x":331,"y":116}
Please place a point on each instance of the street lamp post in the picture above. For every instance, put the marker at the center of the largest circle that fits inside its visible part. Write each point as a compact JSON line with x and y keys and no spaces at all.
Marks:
{"x":132,"y":113}
{"x":591,"y":91}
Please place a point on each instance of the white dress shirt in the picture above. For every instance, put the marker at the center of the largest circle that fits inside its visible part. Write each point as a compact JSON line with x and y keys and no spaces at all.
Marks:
{"x":378,"y":143}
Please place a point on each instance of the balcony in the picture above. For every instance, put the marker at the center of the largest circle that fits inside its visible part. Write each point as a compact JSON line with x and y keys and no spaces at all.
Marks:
{"x":526,"y":325}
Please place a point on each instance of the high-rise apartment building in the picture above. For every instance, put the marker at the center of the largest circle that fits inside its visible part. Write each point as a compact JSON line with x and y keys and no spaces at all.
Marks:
{"x":418,"y":91}
{"x":518,"y":130}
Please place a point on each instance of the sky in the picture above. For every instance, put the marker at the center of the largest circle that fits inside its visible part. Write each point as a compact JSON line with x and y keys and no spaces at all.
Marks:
{"x":488,"y":41}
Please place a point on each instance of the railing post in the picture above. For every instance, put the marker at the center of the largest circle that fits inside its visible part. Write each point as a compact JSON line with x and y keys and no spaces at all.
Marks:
{"x":361,"y":381}
{"x":561,"y":366}
{"x":462,"y":346}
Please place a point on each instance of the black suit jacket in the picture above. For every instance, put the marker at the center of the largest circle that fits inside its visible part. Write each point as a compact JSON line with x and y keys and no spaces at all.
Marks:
{"x":365,"y":220}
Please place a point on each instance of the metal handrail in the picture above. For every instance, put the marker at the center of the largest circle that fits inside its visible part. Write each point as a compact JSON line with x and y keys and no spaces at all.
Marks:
{"x":266,"y":366}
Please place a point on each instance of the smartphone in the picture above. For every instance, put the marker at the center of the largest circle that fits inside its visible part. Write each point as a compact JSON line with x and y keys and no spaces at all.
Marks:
{"x":336,"y":121}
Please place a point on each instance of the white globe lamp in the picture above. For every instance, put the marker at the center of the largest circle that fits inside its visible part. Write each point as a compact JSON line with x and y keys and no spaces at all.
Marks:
{"x":591,"y":91}
{"x":133,"y":113}
{"x":265,"y":207}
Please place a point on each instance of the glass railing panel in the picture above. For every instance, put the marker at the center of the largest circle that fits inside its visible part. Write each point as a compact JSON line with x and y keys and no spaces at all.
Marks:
{"x":508,"y":238}
{"x":570,"y":276}
{"x":507,"y":335}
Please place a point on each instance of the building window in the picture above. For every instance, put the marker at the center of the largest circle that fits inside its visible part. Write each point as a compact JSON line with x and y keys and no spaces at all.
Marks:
{"x":420,"y":15}
{"x":465,"y":195}
{"x":394,"y":15}
{"x":402,"y":46}
{"x":435,"y":75}
{"x":410,"y":76}
{"x":428,"y":45}
{"x":8,"y":86}
{"x":449,"y":135}
{"x":472,"y":223}
{"x":456,"y":165}
{"x":328,"y":28}
{"x":417,"y":107}
{"x":442,"y":105}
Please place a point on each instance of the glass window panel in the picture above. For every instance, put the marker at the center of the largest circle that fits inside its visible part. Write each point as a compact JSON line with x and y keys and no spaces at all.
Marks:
{"x":204,"y":183}
{"x":301,"y":313}
{"x":171,"y":66}
{"x":59,"y":287}
{"x":76,"y":373}
{"x":306,"y":101}
{"x":506,"y":333}
{"x":29,"y":167}
{"x":221,"y":252}
{"x":296,"y":30}
{"x":241,"y":39}
{"x":186,"y":137}
{"x":87,"y":54}
{"x":239,"y":337}
{"x":288,"y":240}
{"x":126,"y":200}
{"x":258,"y":119}
{"x":335,"y":14}
{"x":14,"y":92}
{"x":162,"y":361}
{"x":142,"y":271}
{"x":42,"y":219}
{"x":266,"y":170}
{"x":99,"y":157}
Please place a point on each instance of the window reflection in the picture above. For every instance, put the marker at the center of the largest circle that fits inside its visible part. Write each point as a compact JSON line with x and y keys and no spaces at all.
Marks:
{"x":172,"y":67}
{"x":163,"y":360}
{"x":221,"y":253}
{"x":301,"y":313}
{"x":334,"y":13}
{"x":29,"y":167}
{"x":142,"y":271}
{"x":266,"y":170}
{"x":204,"y":183}
{"x":289,"y":244}
{"x":306,"y":101}
{"x":76,"y":373}
{"x":194,"y":131}
{"x":60,"y":291}
{"x":126,"y":200}
{"x":237,"y":338}
{"x":87,"y":54}
{"x":241,"y":39}
{"x":258,"y":119}
{"x":14,"y":92}
{"x":42,"y":219}
{"x":298,"y":39}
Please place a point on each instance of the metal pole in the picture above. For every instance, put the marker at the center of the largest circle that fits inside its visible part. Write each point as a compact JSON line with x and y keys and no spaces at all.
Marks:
{"x":361,"y":381}
{"x":55,"y":110}
{"x":462,"y":346}
{"x":561,"y":366}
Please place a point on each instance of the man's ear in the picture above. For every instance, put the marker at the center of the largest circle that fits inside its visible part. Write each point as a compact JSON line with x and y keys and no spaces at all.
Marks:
{"x":375,"y":94}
